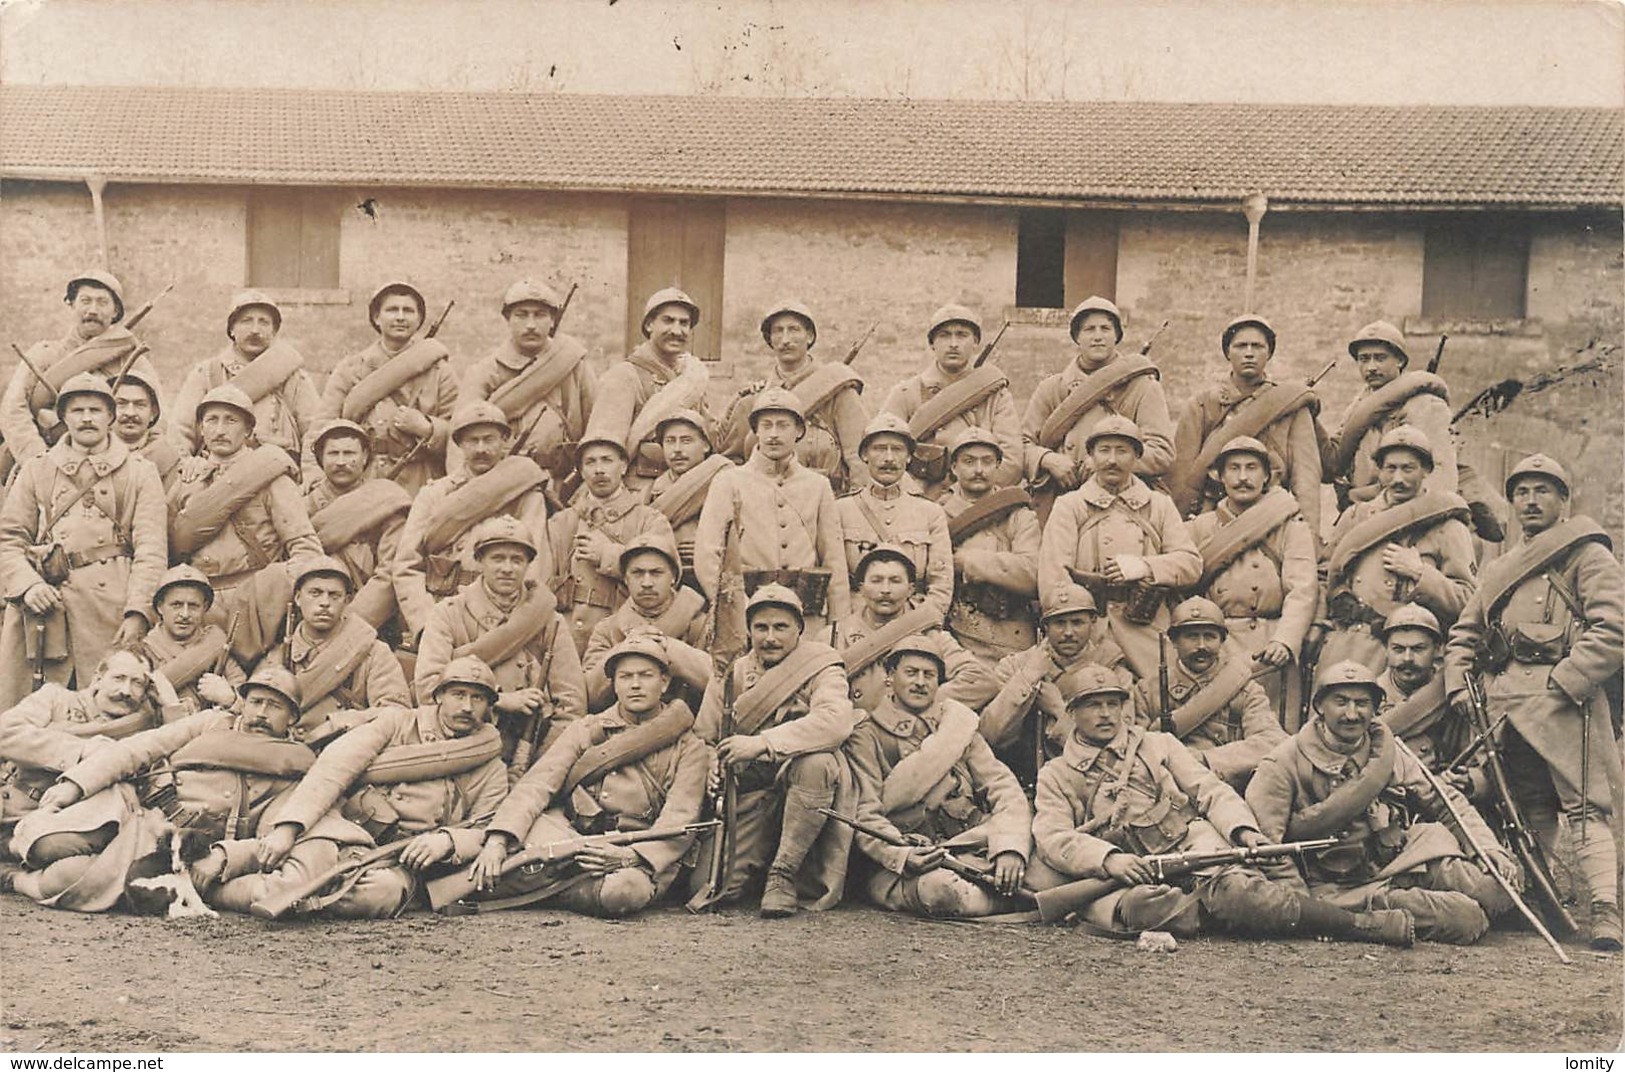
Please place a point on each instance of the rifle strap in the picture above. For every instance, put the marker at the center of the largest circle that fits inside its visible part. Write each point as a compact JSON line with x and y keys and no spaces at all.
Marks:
{"x":862,"y":654}
{"x":1371,"y":409}
{"x":1248,"y":417}
{"x":207,"y":509}
{"x":338,"y":660}
{"x":419,"y":357}
{"x":823,"y":383}
{"x":1348,"y":801}
{"x":1211,"y":698}
{"x":1427,"y":509}
{"x":961,"y":396}
{"x":1253,"y":525}
{"x":681,"y":502}
{"x":478,"y":498}
{"x":433,"y":759}
{"x":989,"y":510}
{"x":628,"y":746}
{"x":756,"y":704}
{"x":185,"y":665}
{"x":1088,"y":393}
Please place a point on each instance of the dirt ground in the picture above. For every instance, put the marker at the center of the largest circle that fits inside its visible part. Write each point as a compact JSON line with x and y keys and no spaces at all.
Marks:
{"x":852,"y":979}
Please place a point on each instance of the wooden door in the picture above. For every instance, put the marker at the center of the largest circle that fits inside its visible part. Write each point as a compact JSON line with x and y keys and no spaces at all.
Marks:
{"x":677,"y":242}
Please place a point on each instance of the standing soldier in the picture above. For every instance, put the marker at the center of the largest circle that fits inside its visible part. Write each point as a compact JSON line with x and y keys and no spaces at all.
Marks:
{"x":265,"y":368}
{"x":995,"y":536}
{"x":783,"y":734}
{"x":680,"y":492}
{"x":538,"y":378}
{"x":656,"y":380}
{"x":828,"y":393}
{"x":588,"y":537}
{"x":1414,"y":704}
{"x":401,"y":389}
{"x":799,"y":544}
{"x":1253,"y":406}
{"x":922,"y":769}
{"x":136,"y":425}
{"x":1546,"y":630}
{"x":1340,"y":776}
{"x":1403,"y":546}
{"x":436,"y":555}
{"x":654,"y":602}
{"x":1098,"y":383}
{"x":1122,"y":541}
{"x":81,"y":549}
{"x":358,"y":518}
{"x":518,"y":633}
{"x":1213,"y":705}
{"x":192,"y":653}
{"x":884,"y":511}
{"x":1258,"y":565}
{"x":952,"y":393}
{"x":97,"y":343}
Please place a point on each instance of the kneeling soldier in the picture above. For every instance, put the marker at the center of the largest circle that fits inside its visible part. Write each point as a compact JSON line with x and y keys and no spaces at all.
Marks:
{"x":1118,"y":793}
{"x":636,"y":766}
{"x":925,"y":773}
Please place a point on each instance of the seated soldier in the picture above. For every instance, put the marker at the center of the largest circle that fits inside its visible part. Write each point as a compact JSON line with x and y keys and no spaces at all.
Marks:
{"x":1218,"y":710}
{"x":925,"y":774}
{"x":519,"y":634}
{"x":1342,"y":775}
{"x":783,"y":735}
{"x":422,"y":777}
{"x":587,"y":537}
{"x":635,"y":766}
{"x":345,"y":672}
{"x":1414,"y":703}
{"x":1119,"y":793}
{"x":885,"y":576}
{"x":649,"y":569}
{"x":679,"y":492}
{"x":1026,"y":721}
{"x":192,"y":654}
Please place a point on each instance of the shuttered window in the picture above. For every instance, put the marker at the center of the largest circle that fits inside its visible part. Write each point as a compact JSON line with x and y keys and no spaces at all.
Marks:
{"x":1064,"y":256}
{"x":1475,"y":268}
{"x":677,"y":243}
{"x":293,"y":237}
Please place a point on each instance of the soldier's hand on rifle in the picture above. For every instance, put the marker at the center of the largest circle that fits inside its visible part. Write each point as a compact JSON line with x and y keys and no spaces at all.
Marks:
{"x":411,"y":422}
{"x":59,"y":796}
{"x":1008,"y":871}
{"x":1275,"y":653}
{"x":274,"y":847}
{"x":131,"y":631}
{"x":519,"y":702}
{"x":41,"y":598}
{"x":1461,"y":702}
{"x":1128,"y":869}
{"x":1248,"y":838}
{"x":602,"y":859}
{"x":740,"y":749}
{"x":590,"y":547}
{"x":921,"y":860}
{"x":426,"y":849}
{"x":1061,"y":469}
{"x":1125,"y":569}
{"x":216,"y":691}
{"x":1508,"y":867}
{"x":487,"y":867}
{"x":1402,"y":561}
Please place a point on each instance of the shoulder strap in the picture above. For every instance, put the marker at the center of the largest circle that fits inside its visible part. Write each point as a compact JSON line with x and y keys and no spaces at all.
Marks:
{"x":1417,"y":711}
{"x":208,"y":509}
{"x":1376,"y":406}
{"x":680,"y":614}
{"x":1249,"y":417}
{"x":681,"y":502}
{"x":335,"y":665}
{"x":823,"y":383}
{"x":359,"y":511}
{"x":189,"y":663}
{"x":758,"y":702}
{"x":956,"y":398}
{"x":1348,"y":801}
{"x":629,"y":746}
{"x":1429,"y":508}
{"x":269,"y":370}
{"x":375,"y":386}
{"x":529,"y":620}
{"x":1088,"y":393}
{"x":1536,"y":556}
{"x":480,"y":498}
{"x":1213,"y":696}
{"x":990,"y":509}
{"x":917,"y":773}
{"x":1253,"y":525}
{"x":862,"y":654}
{"x":539,"y":379}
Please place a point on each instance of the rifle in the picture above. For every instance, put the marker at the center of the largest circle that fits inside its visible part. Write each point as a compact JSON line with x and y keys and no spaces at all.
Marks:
{"x":1145,"y":348}
{"x":557,"y":320}
{"x":307,"y":897}
{"x":975,"y":870}
{"x":1057,"y":903}
{"x":38,"y":375}
{"x":982,"y":357}
{"x":852,"y":354}
{"x":129,"y":363}
{"x":459,"y":885}
{"x":1438,"y":355}
{"x":434,"y":329}
{"x":141,"y":314}
{"x":1476,"y":743}
{"x":225,"y":650}
{"x":536,"y":725}
{"x":1164,"y":696}
{"x":1321,"y":375}
{"x":1479,"y":852}
{"x":287,"y":635}
{"x":38,"y":675}
{"x":1513,"y":827}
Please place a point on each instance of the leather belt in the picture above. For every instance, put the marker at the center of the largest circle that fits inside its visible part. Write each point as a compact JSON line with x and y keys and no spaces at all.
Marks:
{"x":99,"y":553}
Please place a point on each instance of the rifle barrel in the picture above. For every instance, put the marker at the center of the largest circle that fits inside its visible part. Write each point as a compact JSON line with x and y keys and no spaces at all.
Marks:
{"x":557,"y":320}
{"x":987,"y":350}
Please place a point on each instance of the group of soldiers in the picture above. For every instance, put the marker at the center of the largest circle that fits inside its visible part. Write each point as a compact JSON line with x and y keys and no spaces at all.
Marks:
{"x":479,"y":634}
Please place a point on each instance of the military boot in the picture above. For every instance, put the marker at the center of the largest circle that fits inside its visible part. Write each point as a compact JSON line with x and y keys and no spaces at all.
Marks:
{"x":1383,"y":926}
{"x":802,"y":825}
{"x":1605,"y":927}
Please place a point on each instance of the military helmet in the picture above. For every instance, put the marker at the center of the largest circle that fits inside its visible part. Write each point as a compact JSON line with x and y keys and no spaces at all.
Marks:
{"x":1380,"y":331}
{"x":1405,"y":437}
{"x":1245,"y":445}
{"x":1197,"y":611}
{"x":776,"y":595}
{"x":669,"y":296}
{"x":777,"y":399}
{"x":599,"y":438}
{"x":469,"y":414}
{"x":1411,"y":616}
{"x":1247,"y":320}
{"x":321,"y":566}
{"x":338,"y":426}
{"x":98,"y":278}
{"x":650,"y":644}
{"x":796,"y":309}
{"x":1087,"y":680}
{"x":246,"y":299}
{"x":230,"y":396}
{"x":1068,"y":599}
{"x":85,"y":383}
{"x":883,"y":552}
{"x":468,"y":670}
{"x":690,"y":417}
{"x":886,"y":423}
{"x":1115,"y":424}
{"x":655,"y":541}
{"x":948,"y":314}
{"x":525,"y":290}
{"x":1095,"y":304}
{"x":974,"y":436}
{"x":918,"y":644}
{"x":396,"y":286}
{"x":273,"y":678}
{"x":1347,"y":672}
{"x":184,"y":574}
{"x":1539,"y":465}
{"x":141,"y":380}
{"x":502,"y":529}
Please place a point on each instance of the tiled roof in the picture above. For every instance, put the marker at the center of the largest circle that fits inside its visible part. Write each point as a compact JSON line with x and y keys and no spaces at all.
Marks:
{"x":1069,"y":152}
